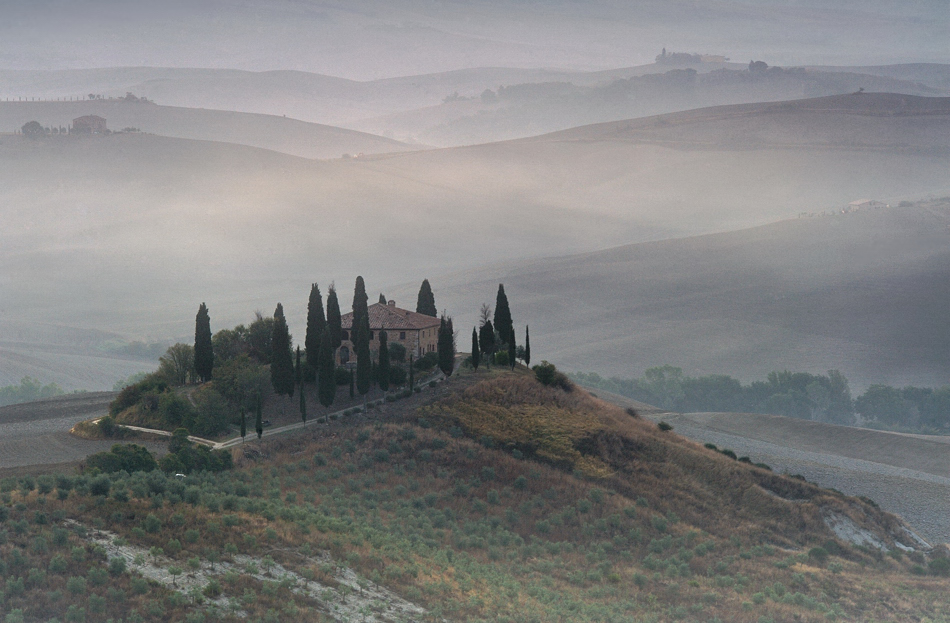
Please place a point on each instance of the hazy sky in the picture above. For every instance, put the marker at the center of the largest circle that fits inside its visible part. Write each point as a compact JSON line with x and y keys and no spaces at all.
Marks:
{"x":365,"y":39}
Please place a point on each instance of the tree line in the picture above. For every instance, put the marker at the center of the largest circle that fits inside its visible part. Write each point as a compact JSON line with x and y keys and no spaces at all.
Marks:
{"x":822,"y":397}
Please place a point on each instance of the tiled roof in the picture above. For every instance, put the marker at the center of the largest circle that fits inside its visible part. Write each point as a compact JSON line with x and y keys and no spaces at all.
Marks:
{"x":390,"y":317}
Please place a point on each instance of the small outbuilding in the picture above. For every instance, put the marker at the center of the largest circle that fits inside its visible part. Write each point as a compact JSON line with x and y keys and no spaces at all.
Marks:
{"x":90,"y":124}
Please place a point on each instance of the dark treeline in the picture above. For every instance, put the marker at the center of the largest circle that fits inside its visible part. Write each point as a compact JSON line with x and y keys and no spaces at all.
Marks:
{"x":821,"y":397}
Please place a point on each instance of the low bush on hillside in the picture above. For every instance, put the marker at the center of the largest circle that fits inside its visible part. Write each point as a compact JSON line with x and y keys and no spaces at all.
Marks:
{"x":547,"y":374}
{"x":130,"y":458}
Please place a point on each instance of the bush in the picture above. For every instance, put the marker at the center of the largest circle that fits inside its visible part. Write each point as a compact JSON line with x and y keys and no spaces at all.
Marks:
{"x":426,"y":362}
{"x":128,"y":457}
{"x":818,"y":553}
{"x":117,"y":566}
{"x":342,"y":376}
{"x":100,"y":485}
{"x":664,"y":426}
{"x":547,"y":374}
{"x":940,"y":566}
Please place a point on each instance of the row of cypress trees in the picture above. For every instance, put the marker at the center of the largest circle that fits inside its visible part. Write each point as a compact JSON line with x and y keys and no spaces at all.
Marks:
{"x":492,"y":337}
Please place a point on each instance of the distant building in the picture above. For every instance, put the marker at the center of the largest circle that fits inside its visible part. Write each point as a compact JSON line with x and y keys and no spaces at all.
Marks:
{"x":417,"y":332}
{"x":90,"y":124}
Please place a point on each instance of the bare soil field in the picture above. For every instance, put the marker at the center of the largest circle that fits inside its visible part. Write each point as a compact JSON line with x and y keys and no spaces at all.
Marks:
{"x":36,"y":434}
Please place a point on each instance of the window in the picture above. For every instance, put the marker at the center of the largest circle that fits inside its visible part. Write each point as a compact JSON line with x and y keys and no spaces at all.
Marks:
{"x":344,"y":355}
{"x":402,"y":335}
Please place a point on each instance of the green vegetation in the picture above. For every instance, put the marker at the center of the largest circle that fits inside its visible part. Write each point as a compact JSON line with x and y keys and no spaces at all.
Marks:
{"x":316,"y":323}
{"x":28,"y":390}
{"x":446,"y":346}
{"x":204,"y":353}
{"x":282,"y":363}
{"x":425,"y":302}
{"x":795,"y":394}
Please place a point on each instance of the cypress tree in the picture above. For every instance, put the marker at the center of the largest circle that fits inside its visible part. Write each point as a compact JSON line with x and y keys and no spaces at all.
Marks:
{"x":334,"y":319}
{"x":352,"y":384}
{"x":486,"y":339}
{"x":303,"y":406}
{"x":243,"y":424}
{"x":412,"y":376}
{"x":476,"y":353}
{"x":281,"y":363}
{"x":502,"y":314}
{"x":364,"y":362}
{"x":316,"y":321}
{"x":259,"y":423}
{"x":326,"y":383}
{"x":425,"y":303}
{"x":359,"y":303}
{"x":204,"y":354}
{"x":445,"y":347}
{"x":382,"y":299}
{"x":512,"y":350}
{"x":298,"y":374}
{"x":383,"y":368}
{"x":527,"y":347}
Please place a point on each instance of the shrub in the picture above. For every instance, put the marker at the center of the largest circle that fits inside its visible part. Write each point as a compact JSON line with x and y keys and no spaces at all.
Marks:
{"x":76,"y":585}
{"x":940,"y":566}
{"x":547,"y":374}
{"x":426,"y":362}
{"x":342,"y":376}
{"x":818,"y":553}
{"x":664,"y":426}
{"x":152,"y":524}
{"x":100,"y":485}
{"x":129,"y":457}
{"x":117,"y":566}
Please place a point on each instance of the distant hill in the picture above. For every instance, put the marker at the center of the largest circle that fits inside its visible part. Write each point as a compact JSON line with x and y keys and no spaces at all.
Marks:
{"x":863,"y":292}
{"x":128,"y":233}
{"x":518,"y":110}
{"x":290,"y":136}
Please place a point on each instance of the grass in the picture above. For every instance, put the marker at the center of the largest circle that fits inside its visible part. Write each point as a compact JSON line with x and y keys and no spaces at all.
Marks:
{"x":438,"y":506}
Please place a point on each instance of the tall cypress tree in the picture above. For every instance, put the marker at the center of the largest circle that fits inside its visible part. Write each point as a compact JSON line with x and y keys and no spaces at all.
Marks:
{"x":425,"y":303}
{"x":445,"y":347}
{"x":512,"y":350}
{"x":334,"y":319}
{"x":259,"y":420}
{"x":243,"y":423}
{"x":382,"y":370}
{"x":527,"y":347}
{"x":364,"y":362}
{"x":486,"y":340}
{"x":204,"y":354}
{"x":281,"y":363}
{"x":412,"y":376}
{"x":382,"y":299}
{"x":502,"y":318}
{"x":316,"y":321}
{"x":326,"y":381}
{"x":298,"y":371}
{"x":352,"y":383}
{"x":359,"y":303}
{"x":476,"y":353}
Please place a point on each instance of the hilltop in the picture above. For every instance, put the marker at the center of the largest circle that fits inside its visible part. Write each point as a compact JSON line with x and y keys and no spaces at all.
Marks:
{"x":491,"y":498}
{"x":290,"y":136}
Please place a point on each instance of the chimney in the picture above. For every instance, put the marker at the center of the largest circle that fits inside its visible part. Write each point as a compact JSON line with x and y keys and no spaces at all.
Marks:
{"x":392,"y":303}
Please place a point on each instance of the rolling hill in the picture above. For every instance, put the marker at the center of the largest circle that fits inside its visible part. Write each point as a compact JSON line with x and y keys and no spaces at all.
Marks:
{"x":290,"y":136}
{"x":863,"y":292}
{"x":128,"y":233}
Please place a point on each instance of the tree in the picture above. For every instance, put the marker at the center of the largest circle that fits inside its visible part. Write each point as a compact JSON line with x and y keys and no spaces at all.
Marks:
{"x":298,"y":373}
{"x":382,"y":299}
{"x":316,"y":322}
{"x":326,"y":383}
{"x":364,"y":363}
{"x":281,"y":365}
{"x":412,"y":376}
{"x":204,"y":353}
{"x":299,"y":379}
{"x":259,"y":423}
{"x":476,"y":353}
{"x":177,"y":364}
{"x":527,"y":347}
{"x":33,"y":129}
{"x":352,"y":383}
{"x":260,"y":335}
{"x":502,"y":314}
{"x":512,"y":349}
{"x":446,"y":347}
{"x":486,"y":340}
{"x":334,"y":319}
{"x":425,"y":303}
{"x":383,"y":369}
{"x":243,"y":424}
{"x":359,"y":303}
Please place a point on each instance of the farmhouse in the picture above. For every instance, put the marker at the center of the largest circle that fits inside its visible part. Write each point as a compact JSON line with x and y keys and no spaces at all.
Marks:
{"x":864,"y":204}
{"x":90,"y":124}
{"x":417,"y":332}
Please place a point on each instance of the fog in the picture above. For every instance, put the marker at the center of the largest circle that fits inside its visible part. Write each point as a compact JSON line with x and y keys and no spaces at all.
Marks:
{"x":290,"y":142}
{"x":365,"y":40}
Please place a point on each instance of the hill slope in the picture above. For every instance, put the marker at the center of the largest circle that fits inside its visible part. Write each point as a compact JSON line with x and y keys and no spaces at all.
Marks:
{"x":861,"y":292}
{"x":407,"y":514}
{"x":298,"y":138}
